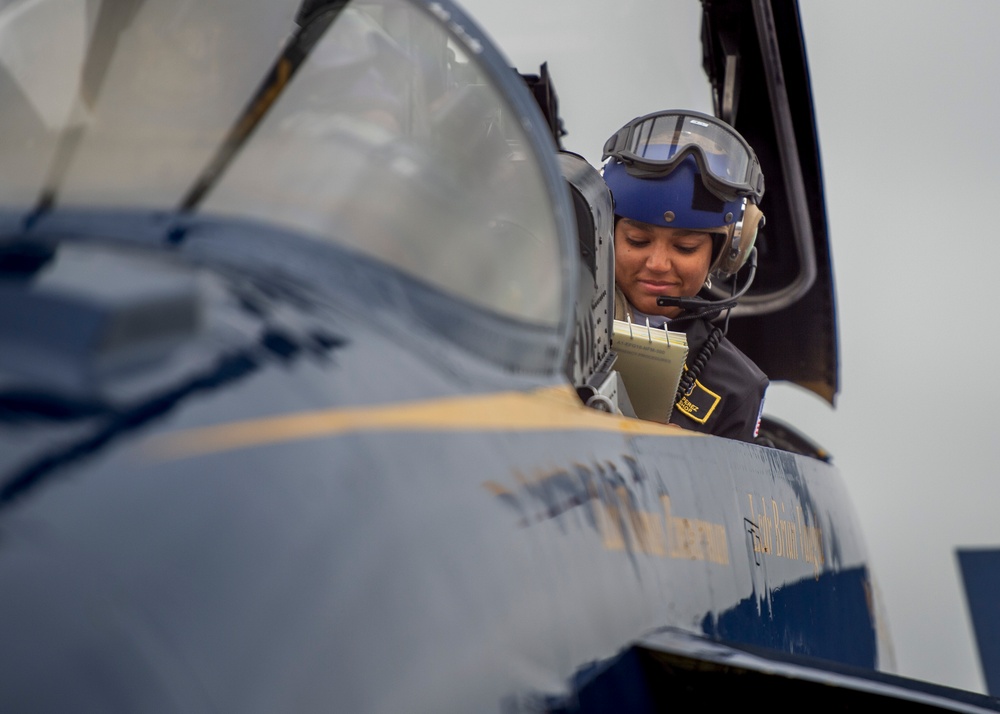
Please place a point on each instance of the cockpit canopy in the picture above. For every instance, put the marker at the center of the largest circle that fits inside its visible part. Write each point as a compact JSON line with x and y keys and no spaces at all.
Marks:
{"x":382,"y":126}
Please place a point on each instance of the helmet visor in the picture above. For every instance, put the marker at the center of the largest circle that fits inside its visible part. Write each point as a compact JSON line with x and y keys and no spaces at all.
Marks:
{"x":655,"y":144}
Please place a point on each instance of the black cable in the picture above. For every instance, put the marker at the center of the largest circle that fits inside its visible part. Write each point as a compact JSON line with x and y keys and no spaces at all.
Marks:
{"x":686,"y":384}
{"x":694,"y":369}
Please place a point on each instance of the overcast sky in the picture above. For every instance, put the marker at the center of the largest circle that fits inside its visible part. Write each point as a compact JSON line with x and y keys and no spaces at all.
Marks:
{"x":907,"y":104}
{"x":906,"y":101}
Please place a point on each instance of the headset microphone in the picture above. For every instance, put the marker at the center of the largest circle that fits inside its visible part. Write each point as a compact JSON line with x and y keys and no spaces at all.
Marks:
{"x":698,"y":307}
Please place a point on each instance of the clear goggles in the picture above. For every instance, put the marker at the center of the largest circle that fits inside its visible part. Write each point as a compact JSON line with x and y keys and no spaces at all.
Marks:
{"x":654,"y":145}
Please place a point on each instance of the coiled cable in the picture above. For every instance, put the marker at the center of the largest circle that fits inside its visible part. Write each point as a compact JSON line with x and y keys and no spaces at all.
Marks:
{"x":686,"y":385}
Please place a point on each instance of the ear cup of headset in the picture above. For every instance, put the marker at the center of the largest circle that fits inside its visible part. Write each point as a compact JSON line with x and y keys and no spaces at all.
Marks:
{"x":742,"y":237}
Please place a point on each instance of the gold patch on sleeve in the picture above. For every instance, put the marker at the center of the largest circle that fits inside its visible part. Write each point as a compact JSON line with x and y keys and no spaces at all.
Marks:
{"x":700,"y":403}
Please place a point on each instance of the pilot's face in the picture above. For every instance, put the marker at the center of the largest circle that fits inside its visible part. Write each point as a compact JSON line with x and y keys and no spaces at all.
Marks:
{"x":652,"y":260}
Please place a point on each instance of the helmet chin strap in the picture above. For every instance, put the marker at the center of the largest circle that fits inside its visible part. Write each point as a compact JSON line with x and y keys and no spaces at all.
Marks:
{"x":700,"y":307}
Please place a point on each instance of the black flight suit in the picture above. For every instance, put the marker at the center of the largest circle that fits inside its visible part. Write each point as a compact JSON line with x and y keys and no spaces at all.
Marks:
{"x":728,"y":395}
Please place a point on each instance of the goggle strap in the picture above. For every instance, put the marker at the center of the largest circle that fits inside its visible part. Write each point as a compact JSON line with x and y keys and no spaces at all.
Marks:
{"x":616,"y":143}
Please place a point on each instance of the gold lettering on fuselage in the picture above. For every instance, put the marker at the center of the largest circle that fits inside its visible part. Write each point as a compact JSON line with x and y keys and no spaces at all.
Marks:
{"x":660,"y":533}
{"x":785,"y":535}
{"x":811,"y":538}
{"x":612,"y":507}
{"x":610,"y":523}
{"x":696,"y":539}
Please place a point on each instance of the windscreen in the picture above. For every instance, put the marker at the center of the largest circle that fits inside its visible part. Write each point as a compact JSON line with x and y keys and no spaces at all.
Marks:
{"x":372,"y":125}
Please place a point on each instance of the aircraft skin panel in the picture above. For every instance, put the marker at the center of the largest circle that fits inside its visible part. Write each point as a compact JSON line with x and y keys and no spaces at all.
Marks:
{"x":381,"y":535}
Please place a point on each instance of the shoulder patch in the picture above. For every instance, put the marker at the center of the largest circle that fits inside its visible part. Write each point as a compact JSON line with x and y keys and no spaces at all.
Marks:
{"x":699,"y":403}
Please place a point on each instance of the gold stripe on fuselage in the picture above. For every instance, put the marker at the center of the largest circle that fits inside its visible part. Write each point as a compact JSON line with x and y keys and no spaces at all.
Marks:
{"x":546,"y":409}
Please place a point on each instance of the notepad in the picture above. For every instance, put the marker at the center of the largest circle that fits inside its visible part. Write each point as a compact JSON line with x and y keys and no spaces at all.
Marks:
{"x":650,"y":361}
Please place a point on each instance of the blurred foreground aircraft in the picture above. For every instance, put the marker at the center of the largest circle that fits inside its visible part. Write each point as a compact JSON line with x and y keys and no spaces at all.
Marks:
{"x":299,"y":310}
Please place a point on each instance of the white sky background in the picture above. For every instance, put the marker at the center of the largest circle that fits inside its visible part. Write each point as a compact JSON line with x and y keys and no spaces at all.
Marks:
{"x":907,"y":102}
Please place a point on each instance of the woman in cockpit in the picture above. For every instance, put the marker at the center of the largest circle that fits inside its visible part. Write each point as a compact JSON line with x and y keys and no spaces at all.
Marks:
{"x":686,"y":188}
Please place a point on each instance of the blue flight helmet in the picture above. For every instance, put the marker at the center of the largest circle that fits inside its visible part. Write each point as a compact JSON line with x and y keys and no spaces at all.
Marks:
{"x":683,"y":169}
